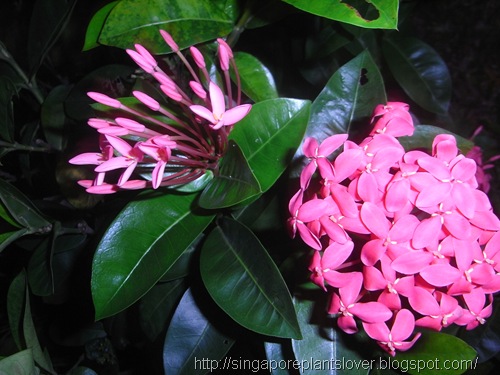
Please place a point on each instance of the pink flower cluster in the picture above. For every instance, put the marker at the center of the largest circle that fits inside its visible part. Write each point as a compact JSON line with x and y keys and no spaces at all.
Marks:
{"x":169,"y":139}
{"x":401,"y":239}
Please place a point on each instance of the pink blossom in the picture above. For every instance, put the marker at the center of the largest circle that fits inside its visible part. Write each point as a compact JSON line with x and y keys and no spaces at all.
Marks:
{"x":346,"y":305}
{"x":160,"y":149}
{"x":409,"y":234}
{"x":218,"y":116}
{"x":159,"y":142}
{"x":394,"y":339}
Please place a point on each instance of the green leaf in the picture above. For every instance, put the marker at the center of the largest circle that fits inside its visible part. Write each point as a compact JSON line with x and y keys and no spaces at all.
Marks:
{"x":21,"y":322}
{"x":197,"y":185}
{"x":184,"y":264}
{"x":22,"y":209}
{"x":53,"y":117}
{"x":139,"y":246}
{"x":192,"y":343}
{"x":323,"y":343}
{"x":438,"y":348}
{"x":48,"y":20}
{"x":257,"y":81}
{"x":420,"y":71}
{"x":243,"y":280}
{"x":424,"y":135}
{"x":16,"y":302}
{"x":188,"y":21}
{"x":95,"y":26}
{"x":158,"y":305}
{"x":20,"y":363}
{"x":6,"y":238}
{"x":350,"y":95}
{"x":377,"y":14}
{"x":53,"y":261}
{"x":269,"y":136}
{"x":234,"y":184}
{"x":7,"y":91}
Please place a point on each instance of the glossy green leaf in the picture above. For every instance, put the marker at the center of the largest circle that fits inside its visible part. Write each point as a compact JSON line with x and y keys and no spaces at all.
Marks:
{"x":22,"y":210}
{"x":48,"y":20}
{"x":53,"y":117}
{"x":139,"y":246}
{"x":7,"y":91}
{"x":257,"y":81}
{"x":197,"y":185}
{"x":438,"y":347}
{"x":243,"y":280}
{"x":323,"y":343}
{"x":380,"y":14}
{"x":420,"y":71}
{"x":21,"y":363}
{"x":424,"y":135}
{"x":269,"y":136}
{"x":158,"y":305}
{"x":184,"y":264}
{"x":234,"y":184}
{"x":192,"y":343}
{"x":188,"y":21}
{"x":6,"y":238}
{"x":95,"y":26}
{"x":350,"y":95}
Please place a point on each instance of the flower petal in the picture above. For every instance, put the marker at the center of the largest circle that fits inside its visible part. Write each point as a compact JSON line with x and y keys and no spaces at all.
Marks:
{"x":412,"y":262}
{"x":203,"y":113}
{"x":216,"y":99}
{"x":423,"y":302}
{"x":403,"y":326}
{"x":441,"y":274}
{"x":374,"y":219}
{"x":235,"y":114}
{"x":371,"y":312}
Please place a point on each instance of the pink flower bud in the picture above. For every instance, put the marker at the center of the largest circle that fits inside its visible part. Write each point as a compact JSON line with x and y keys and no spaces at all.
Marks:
{"x":197,"y":57}
{"x":145,"y":53}
{"x":141,"y":61}
{"x":165,"y":80}
{"x":224,"y":58}
{"x":146,"y":100}
{"x":130,"y":124}
{"x":198,"y":89}
{"x":104,"y":99}
{"x":97,"y":123}
{"x":171,"y":93}
{"x":169,"y":40}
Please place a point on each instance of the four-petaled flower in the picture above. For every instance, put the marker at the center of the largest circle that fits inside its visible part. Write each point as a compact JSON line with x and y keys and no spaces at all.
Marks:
{"x":218,"y":116}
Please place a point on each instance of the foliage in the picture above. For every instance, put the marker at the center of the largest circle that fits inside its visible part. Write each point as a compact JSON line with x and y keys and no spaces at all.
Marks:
{"x":197,"y":276}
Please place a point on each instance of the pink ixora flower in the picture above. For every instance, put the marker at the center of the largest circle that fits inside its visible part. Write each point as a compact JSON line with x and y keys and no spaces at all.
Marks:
{"x":394,"y":338}
{"x":155,"y":144}
{"x":218,"y":116}
{"x":411,"y":241}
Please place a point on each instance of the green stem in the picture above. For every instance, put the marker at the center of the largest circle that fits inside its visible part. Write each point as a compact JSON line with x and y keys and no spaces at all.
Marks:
{"x":240,"y":26}
{"x":31,"y":85}
{"x":20,"y":147}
